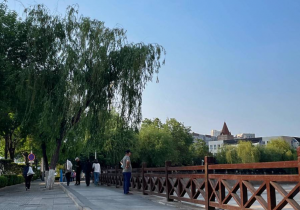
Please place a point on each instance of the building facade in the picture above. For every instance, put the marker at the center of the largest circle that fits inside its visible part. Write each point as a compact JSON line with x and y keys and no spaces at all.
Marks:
{"x":206,"y":138}
{"x":245,"y":135}
{"x":215,"y":133}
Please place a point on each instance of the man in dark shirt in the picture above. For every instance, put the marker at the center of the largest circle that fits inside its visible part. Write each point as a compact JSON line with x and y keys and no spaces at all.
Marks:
{"x":78,"y":171}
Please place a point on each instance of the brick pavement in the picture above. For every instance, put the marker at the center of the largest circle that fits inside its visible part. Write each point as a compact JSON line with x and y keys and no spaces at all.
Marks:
{"x":37,"y":198}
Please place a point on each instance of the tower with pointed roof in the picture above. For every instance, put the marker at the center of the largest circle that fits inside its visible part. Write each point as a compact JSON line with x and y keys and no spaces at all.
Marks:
{"x":225,"y":133}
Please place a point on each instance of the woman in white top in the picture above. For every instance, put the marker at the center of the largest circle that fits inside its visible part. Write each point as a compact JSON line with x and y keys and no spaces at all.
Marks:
{"x":97,"y":171}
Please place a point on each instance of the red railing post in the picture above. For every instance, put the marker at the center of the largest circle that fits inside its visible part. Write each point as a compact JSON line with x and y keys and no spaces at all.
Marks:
{"x":143,"y":178}
{"x":208,"y":188}
{"x":298,"y":152}
{"x":168,"y":188}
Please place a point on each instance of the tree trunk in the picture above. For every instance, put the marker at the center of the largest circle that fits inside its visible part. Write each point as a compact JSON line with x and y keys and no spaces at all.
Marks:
{"x":12,"y":153}
{"x":55,"y":157}
{"x":45,"y":155}
{"x":6,"y":146}
{"x":11,"y":148}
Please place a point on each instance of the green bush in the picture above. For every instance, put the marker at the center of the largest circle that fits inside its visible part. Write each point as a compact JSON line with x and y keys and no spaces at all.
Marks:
{"x":3,"y":181}
{"x":11,"y":179}
{"x":35,"y":177}
{"x":20,"y":179}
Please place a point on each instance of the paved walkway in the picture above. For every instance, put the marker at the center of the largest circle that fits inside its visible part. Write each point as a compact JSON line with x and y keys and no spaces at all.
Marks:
{"x":111,"y":198}
{"x":16,"y":198}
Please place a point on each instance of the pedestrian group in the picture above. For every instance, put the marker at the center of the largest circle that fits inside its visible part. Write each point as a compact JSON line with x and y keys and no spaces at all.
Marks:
{"x":94,"y":171}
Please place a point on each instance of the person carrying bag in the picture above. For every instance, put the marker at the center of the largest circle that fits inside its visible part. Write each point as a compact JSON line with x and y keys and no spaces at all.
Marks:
{"x":29,"y":174}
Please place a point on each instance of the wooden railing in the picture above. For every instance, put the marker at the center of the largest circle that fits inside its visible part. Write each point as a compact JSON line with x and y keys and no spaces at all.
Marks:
{"x":210,"y":186}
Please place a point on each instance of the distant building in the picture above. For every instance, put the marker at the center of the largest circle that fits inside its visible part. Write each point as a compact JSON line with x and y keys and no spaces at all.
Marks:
{"x":215,"y":133}
{"x":245,"y":136}
{"x":196,"y":136}
{"x":218,"y":139}
{"x":206,"y":138}
{"x":215,"y":145}
{"x":292,"y":141}
{"x":225,"y":134}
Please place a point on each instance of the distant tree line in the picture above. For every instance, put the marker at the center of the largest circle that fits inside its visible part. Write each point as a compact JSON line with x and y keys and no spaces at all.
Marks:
{"x":245,"y":152}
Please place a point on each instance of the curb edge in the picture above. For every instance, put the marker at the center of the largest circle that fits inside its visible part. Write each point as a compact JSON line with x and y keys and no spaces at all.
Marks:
{"x":77,"y":202}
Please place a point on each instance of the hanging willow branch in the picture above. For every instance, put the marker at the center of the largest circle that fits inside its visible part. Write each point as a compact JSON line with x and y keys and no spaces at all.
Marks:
{"x":77,"y":69}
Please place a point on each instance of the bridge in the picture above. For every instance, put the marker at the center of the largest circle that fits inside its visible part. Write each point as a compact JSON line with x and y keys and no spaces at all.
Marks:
{"x":214,"y":186}
{"x":211,"y":186}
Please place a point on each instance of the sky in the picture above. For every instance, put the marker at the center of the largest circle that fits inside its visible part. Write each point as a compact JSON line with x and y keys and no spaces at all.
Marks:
{"x":234,"y":61}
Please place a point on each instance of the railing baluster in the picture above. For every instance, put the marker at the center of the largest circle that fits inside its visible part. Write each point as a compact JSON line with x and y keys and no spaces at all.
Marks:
{"x":116,"y":175}
{"x":168,"y":188}
{"x":244,"y":194}
{"x":271,"y":196}
{"x":208,"y":188}
{"x":143,"y":178}
{"x":298,"y":153}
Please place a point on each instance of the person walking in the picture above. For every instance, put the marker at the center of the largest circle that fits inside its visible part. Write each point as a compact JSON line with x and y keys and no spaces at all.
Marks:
{"x":73,"y":175}
{"x":27,"y":174}
{"x":88,"y":171}
{"x":68,"y":170}
{"x":97,"y":171}
{"x":127,"y":169}
{"x":78,"y":170}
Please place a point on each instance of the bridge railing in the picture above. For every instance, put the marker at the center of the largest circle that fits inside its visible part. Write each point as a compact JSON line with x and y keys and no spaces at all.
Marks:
{"x":212,"y":186}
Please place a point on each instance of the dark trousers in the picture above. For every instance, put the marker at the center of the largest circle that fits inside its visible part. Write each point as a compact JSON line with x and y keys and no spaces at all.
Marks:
{"x":87,"y":179}
{"x":68,"y":177}
{"x":27,"y":181}
{"x":78,"y":178}
{"x":126,"y":181}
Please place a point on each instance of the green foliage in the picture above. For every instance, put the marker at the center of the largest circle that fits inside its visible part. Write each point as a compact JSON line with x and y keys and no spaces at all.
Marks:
{"x":221,"y":155}
{"x":159,"y":142}
{"x":62,"y":75}
{"x":20,"y":179}
{"x":247,"y":153}
{"x":232,"y":155}
{"x":156,"y":144}
{"x":3,"y":181}
{"x":9,"y":167}
{"x":12,"y":179}
{"x":182,"y":140}
{"x":200,"y":150}
{"x":278,"y":150}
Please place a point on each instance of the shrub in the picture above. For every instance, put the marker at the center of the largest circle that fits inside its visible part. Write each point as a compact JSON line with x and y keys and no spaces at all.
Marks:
{"x":20,"y":179}
{"x":3,"y":181}
{"x":9,"y":167}
{"x":11,"y":179}
{"x":35,"y":177}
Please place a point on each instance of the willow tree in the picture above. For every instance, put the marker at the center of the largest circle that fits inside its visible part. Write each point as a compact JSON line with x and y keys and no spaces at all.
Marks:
{"x":12,"y":57}
{"x":77,"y":69}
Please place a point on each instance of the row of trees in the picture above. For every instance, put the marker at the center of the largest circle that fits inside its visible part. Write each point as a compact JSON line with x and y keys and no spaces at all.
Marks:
{"x":245,"y":152}
{"x":69,"y":84}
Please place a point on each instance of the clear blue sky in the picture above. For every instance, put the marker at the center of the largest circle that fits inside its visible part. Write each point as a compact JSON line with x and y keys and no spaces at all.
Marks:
{"x":231,"y":60}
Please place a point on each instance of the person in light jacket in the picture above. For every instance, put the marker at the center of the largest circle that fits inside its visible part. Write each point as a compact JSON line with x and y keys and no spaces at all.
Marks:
{"x":68,"y":170}
{"x":97,"y":171}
